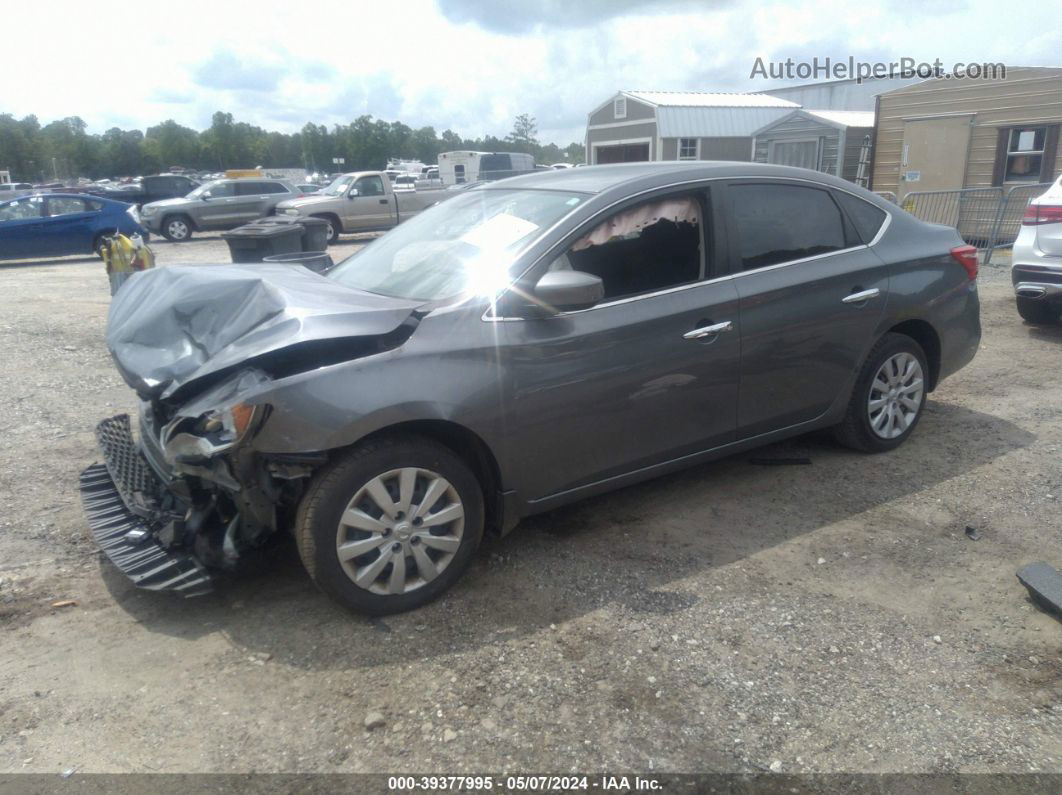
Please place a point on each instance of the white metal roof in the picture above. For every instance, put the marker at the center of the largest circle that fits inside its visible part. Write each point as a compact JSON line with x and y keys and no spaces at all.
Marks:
{"x":714,"y":122}
{"x":708,"y":99}
{"x":845,"y":118}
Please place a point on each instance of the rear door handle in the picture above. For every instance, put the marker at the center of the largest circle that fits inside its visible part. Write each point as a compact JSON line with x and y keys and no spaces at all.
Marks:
{"x":708,"y":331}
{"x":861,"y":296}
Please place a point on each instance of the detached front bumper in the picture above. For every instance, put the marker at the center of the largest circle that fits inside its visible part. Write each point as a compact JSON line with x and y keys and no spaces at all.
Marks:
{"x":120,"y":500}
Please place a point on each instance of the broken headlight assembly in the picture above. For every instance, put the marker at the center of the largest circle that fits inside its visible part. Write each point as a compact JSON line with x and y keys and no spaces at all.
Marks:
{"x":194,"y":440}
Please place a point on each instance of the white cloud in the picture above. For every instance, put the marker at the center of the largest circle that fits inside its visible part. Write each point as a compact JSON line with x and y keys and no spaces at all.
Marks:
{"x":281,"y":65}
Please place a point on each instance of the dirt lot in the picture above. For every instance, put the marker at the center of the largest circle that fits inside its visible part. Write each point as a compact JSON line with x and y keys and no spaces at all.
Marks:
{"x":735,"y":617}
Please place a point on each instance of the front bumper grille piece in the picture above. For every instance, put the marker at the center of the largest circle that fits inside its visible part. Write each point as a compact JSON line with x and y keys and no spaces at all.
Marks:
{"x":118,"y":497}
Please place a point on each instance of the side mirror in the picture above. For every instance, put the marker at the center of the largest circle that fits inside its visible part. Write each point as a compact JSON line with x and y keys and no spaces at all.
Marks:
{"x":206,"y":196}
{"x":568,"y":291}
{"x":354,"y":193}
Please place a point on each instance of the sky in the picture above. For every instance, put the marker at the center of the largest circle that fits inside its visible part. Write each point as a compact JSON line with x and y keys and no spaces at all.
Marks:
{"x":467,"y":65}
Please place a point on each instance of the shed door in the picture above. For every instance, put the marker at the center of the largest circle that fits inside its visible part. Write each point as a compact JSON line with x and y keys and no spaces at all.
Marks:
{"x":934,"y":154}
{"x":802,"y":154}
{"x":624,"y":153}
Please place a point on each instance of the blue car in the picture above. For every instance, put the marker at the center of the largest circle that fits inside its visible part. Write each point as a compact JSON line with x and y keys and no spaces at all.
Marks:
{"x":57,"y":224}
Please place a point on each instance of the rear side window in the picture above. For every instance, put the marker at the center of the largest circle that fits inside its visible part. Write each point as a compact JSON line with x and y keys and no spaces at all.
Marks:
{"x":866,"y":218}
{"x":273,"y":187}
{"x":780,"y":223}
{"x":251,"y":188}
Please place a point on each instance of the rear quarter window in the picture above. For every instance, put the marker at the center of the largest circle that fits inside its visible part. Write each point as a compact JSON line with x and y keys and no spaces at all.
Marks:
{"x":866,"y":218}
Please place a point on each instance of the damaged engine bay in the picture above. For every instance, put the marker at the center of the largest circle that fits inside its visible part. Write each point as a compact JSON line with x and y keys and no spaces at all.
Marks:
{"x":202,"y":347}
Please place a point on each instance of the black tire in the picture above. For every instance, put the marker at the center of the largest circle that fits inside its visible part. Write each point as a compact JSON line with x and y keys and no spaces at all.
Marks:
{"x":1037,"y":311}
{"x":317,"y":522}
{"x":332,"y":233}
{"x":98,"y":245}
{"x":855,"y":430}
{"x":177,"y":228}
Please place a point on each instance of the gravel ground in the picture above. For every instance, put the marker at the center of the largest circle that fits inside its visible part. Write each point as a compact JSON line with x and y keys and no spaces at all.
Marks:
{"x":826,"y":618}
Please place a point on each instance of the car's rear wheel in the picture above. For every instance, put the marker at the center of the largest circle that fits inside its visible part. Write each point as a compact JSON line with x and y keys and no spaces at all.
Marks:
{"x":99,"y":246}
{"x":1037,"y":310}
{"x":177,"y":228}
{"x":888,"y":396}
{"x":390,"y":525}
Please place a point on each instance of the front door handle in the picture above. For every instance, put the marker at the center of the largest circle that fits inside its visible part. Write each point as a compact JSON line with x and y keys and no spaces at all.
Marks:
{"x":708,"y":331}
{"x":861,"y":296}
{"x":383,"y":201}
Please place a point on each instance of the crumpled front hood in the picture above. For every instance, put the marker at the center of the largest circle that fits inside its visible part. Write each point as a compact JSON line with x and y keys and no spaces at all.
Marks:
{"x":170,"y":326}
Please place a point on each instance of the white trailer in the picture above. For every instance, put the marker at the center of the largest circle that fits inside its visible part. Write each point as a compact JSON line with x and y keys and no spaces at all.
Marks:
{"x":456,"y":168}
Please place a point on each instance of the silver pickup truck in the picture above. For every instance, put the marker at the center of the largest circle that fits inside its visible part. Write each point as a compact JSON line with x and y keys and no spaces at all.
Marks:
{"x":362,"y":201}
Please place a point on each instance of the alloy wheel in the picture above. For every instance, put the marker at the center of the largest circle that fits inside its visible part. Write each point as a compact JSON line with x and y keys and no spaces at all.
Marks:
{"x":177,"y":229}
{"x":400,"y":531}
{"x":895,"y":395}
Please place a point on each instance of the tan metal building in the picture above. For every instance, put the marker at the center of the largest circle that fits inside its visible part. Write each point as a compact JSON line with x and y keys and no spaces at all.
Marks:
{"x":948,"y":134}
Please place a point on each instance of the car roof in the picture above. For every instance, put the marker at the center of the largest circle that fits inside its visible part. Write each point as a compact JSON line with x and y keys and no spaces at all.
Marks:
{"x":599,"y":179}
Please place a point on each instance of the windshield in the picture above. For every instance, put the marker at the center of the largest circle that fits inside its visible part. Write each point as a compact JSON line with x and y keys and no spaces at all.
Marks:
{"x":466,"y":244}
{"x":338,"y":187}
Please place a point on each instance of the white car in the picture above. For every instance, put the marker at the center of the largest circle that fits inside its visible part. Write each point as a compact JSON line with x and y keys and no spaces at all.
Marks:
{"x":1037,"y":258}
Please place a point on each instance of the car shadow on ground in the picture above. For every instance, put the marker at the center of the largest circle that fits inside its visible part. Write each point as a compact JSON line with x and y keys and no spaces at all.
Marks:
{"x":1052,"y":333}
{"x":75,"y":260}
{"x":629,"y":551}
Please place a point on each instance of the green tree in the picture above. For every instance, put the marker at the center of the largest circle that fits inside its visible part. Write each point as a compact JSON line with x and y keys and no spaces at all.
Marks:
{"x":525,"y":128}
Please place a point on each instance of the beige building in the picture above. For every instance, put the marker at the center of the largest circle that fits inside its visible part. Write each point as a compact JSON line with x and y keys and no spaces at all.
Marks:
{"x":948,"y":134}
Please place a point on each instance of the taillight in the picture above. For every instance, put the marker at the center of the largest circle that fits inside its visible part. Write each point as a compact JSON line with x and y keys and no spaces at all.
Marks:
{"x":967,"y":257}
{"x":1036,"y":214}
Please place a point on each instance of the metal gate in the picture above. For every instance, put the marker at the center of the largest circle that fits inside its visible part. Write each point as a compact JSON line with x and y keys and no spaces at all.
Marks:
{"x":986,"y":218}
{"x":972,"y":211}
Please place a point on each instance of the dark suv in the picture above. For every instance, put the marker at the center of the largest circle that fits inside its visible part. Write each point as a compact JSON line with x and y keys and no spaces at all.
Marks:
{"x":520,"y":346}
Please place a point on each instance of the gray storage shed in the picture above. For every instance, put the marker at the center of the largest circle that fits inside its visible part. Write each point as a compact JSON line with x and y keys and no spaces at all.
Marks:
{"x":833,"y":141}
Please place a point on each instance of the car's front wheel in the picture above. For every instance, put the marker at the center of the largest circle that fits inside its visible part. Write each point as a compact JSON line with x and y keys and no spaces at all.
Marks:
{"x":390,"y":525}
{"x":333,"y":230}
{"x":177,"y":228}
{"x":1037,"y":311}
{"x":888,"y":397}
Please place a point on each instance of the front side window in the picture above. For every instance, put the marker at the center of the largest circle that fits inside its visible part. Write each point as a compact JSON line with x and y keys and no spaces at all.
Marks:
{"x":370,"y":186}
{"x":778,"y":223}
{"x":649,"y":247}
{"x":687,"y":149}
{"x":465,"y":245}
{"x":1025,"y":154}
{"x":213,"y":190}
{"x":30,"y":207}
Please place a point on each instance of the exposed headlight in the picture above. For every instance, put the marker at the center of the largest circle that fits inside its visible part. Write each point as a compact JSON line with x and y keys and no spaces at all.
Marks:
{"x":291,"y":211}
{"x":191,"y":440}
{"x":133,"y":213}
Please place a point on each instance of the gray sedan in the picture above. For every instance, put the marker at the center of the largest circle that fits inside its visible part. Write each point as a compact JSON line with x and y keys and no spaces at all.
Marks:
{"x":521,"y":346}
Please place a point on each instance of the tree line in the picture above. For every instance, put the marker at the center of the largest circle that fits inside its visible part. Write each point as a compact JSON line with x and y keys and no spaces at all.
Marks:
{"x":63,"y":149}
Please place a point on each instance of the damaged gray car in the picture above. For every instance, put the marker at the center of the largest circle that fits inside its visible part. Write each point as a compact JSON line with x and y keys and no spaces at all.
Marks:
{"x":519,"y":347}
